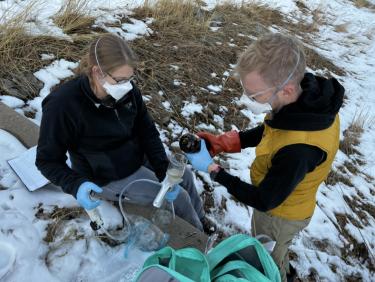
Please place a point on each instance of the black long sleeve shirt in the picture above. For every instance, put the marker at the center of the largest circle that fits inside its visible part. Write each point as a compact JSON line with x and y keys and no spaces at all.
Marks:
{"x":289,"y":166}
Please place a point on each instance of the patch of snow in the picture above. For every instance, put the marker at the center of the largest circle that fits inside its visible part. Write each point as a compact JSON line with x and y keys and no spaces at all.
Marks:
{"x":190,"y":108}
{"x":215,"y":88}
{"x":47,"y":57}
{"x":50,"y":76}
{"x":11,"y":101}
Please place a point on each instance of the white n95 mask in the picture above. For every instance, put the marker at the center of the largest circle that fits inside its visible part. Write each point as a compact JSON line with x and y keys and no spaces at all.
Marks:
{"x":118,"y":91}
{"x":254,"y":106}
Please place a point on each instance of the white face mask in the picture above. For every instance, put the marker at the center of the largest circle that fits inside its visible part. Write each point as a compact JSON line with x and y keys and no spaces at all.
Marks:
{"x":117,"y":91}
{"x":254,"y":106}
{"x":261,"y":108}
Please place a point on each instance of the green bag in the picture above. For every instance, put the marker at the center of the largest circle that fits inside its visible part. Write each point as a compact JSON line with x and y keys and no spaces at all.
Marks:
{"x":237,"y":258}
{"x":191,"y":264}
{"x":243,"y":257}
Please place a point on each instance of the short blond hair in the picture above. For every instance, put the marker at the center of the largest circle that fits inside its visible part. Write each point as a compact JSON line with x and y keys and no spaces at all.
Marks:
{"x":274,"y":56}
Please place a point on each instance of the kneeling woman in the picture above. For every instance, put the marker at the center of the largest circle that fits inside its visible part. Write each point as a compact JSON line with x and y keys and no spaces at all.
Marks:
{"x":100,"y":118}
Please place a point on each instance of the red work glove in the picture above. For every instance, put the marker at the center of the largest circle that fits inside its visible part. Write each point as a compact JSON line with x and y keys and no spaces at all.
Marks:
{"x":228,"y":142}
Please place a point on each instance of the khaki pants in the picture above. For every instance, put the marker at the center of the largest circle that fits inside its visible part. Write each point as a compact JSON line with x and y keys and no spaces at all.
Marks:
{"x":282,"y":231}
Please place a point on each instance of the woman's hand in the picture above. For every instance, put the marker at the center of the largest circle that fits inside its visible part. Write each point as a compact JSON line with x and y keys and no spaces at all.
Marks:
{"x":83,"y":195}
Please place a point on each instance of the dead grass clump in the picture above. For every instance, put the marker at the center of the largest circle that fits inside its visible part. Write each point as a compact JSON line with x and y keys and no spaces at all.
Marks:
{"x":352,"y":248}
{"x":318,"y":62}
{"x":351,"y":167}
{"x":341,"y":28}
{"x":59,"y":216}
{"x":335,"y":177}
{"x":352,"y":134}
{"x":73,"y":17}
{"x":187,"y":15}
{"x":364,"y":4}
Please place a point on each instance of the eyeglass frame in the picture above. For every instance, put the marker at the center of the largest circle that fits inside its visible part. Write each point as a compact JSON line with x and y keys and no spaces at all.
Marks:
{"x":122,"y":81}
{"x":278,"y":88}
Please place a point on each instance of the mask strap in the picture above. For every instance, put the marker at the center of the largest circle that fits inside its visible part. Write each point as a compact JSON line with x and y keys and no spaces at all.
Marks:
{"x":293,"y":71}
{"x":96,"y":55}
{"x":278,"y":88}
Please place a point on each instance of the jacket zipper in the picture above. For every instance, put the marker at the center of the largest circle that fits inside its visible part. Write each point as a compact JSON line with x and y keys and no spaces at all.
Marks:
{"x":119,"y":120}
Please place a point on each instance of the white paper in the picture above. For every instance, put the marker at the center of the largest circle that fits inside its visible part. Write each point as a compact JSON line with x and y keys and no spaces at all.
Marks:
{"x":24,"y":167}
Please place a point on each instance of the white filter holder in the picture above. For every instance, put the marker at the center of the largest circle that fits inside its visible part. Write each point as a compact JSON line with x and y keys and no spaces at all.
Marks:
{"x":7,"y":258}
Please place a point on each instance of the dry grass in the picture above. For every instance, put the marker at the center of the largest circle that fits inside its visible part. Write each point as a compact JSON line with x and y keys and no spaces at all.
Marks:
{"x":353,"y":133}
{"x":73,"y":17}
{"x":58,"y":217}
{"x":194,"y":49}
{"x":341,"y":28}
{"x":364,"y":4}
{"x":184,"y":39}
{"x":335,"y":177}
{"x":20,"y":55}
{"x":186,"y":14}
{"x":352,"y":248}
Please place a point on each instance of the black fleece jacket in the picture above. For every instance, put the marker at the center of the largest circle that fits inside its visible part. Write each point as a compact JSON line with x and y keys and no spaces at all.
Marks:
{"x":103,"y":144}
{"x":315,"y":109}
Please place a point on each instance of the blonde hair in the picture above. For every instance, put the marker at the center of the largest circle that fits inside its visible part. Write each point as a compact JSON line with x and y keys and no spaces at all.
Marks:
{"x":110,"y":52}
{"x":275,"y":57}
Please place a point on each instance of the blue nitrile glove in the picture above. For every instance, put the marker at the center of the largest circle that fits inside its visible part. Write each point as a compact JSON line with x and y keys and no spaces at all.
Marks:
{"x":200,"y":160}
{"x":171,"y":195}
{"x":83,"y":195}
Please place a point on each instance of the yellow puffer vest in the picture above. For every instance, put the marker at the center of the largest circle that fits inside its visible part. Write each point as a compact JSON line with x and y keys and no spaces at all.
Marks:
{"x":300,"y":204}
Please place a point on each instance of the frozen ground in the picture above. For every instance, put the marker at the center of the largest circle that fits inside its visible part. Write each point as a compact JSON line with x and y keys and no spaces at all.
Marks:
{"x":339,"y":243}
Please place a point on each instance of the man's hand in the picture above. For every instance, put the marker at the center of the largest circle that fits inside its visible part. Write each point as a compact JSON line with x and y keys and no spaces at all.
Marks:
{"x":83,"y":195}
{"x":228,"y":142}
{"x":200,"y":160}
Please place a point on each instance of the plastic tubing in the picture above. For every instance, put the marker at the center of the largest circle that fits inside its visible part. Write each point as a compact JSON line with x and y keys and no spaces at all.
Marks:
{"x":123,"y":213}
{"x":128,"y":225}
{"x":122,"y":192}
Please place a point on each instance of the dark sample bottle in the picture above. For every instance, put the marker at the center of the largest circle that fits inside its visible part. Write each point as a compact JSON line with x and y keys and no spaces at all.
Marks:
{"x":191,"y":143}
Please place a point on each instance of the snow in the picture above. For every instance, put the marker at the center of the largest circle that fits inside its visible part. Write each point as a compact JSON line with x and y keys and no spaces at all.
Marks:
{"x":178,"y":82}
{"x":66,"y":260}
{"x":167,"y":106}
{"x":174,"y":67}
{"x":215,"y":88}
{"x":22,"y":233}
{"x":46,"y":57}
{"x":7,"y":258}
{"x":137,"y":27}
{"x":190,"y":108}
{"x":128,"y":31}
{"x":11,"y":101}
{"x":50,"y":76}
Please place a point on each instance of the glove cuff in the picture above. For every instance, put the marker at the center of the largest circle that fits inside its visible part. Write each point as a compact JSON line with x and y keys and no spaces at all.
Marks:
{"x":230,"y":142}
